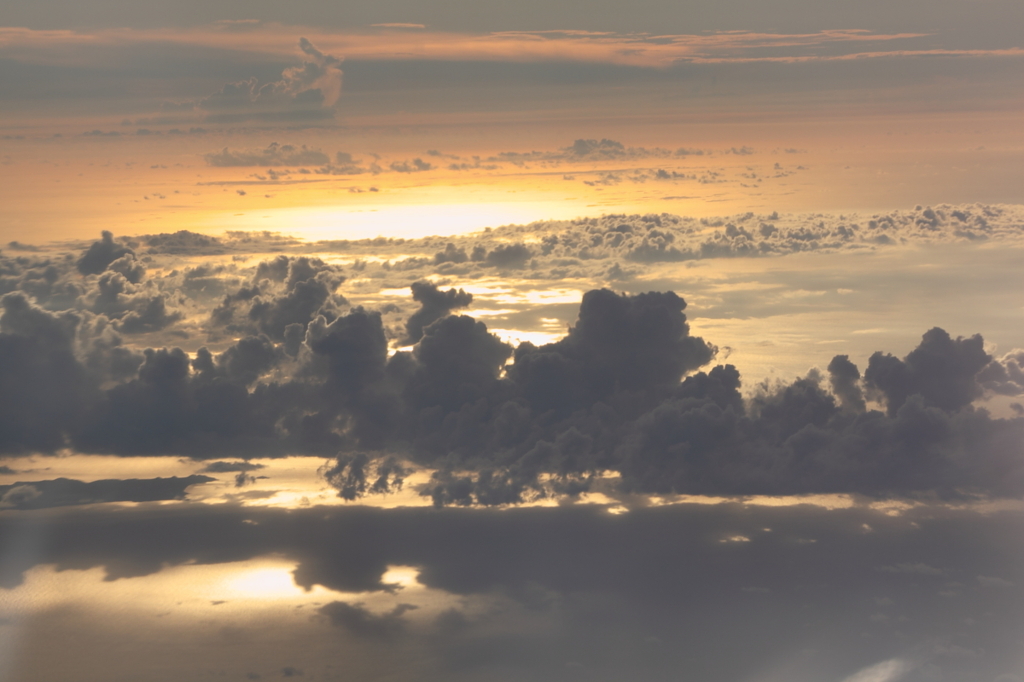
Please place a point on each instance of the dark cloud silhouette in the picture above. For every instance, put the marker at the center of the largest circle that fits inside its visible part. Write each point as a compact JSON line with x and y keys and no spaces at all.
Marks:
{"x":230,"y":467}
{"x":309,"y":287}
{"x":621,"y":392}
{"x":434,"y":304}
{"x":249,"y":359}
{"x":458,"y":363}
{"x":102,"y":254}
{"x":64,"y":492}
{"x":844,"y":379}
{"x":171,"y":409}
{"x":362,"y":623}
{"x":941,"y":370}
{"x":609,"y":397}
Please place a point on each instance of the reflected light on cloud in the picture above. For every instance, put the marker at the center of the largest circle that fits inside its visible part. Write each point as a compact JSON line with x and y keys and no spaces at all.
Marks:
{"x":886,"y":671}
{"x":270,"y":582}
{"x":516,"y":337}
{"x":402,"y":576}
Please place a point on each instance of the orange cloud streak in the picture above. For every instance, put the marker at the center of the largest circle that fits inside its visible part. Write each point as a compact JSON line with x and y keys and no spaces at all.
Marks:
{"x":400,"y":43}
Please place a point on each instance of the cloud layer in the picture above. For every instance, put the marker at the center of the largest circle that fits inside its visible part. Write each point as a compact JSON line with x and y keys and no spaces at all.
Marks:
{"x":727,"y":591}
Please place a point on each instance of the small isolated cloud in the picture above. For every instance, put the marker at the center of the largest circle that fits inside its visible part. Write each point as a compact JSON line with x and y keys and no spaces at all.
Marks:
{"x":230,"y":467}
{"x":989,"y":581}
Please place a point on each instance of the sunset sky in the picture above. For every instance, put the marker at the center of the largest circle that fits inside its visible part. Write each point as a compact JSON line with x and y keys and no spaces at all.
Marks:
{"x":489,"y":341}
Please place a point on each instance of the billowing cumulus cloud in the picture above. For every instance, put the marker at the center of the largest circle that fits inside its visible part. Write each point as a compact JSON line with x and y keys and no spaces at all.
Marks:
{"x":943,"y":371}
{"x":134,"y":308}
{"x":105,"y":254}
{"x":434,"y":304}
{"x":283,"y":292}
{"x":303,"y":93}
{"x":44,"y":387}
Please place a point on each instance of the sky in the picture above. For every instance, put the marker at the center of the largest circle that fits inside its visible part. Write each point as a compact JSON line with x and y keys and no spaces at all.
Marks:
{"x":494,"y":342}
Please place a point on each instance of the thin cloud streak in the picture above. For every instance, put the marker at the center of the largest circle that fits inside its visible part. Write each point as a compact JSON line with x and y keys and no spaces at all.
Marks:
{"x":395,"y":42}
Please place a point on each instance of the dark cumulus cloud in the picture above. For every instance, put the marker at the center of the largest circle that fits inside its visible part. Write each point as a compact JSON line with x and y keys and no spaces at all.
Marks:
{"x":43,"y":386}
{"x":942,"y":370}
{"x":627,"y":392}
{"x":434,"y":304}
{"x":284,"y":292}
{"x":106,"y":254}
{"x":134,"y":308}
{"x":105,"y":286}
{"x":508,"y":256}
{"x":363,"y":623}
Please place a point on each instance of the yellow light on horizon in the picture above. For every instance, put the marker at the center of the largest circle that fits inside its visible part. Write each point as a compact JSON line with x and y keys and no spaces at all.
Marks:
{"x":402,"y":221}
